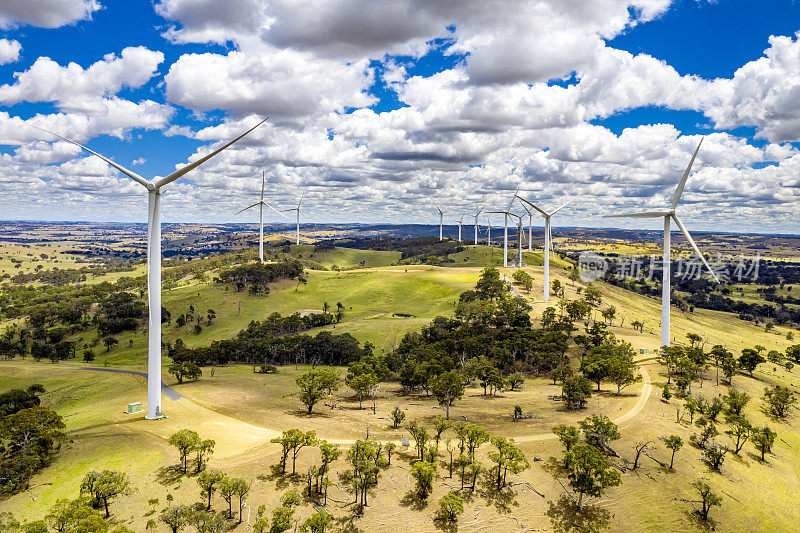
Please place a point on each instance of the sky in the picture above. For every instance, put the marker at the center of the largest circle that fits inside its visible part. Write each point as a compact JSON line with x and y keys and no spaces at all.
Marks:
{"x":380,"y":110}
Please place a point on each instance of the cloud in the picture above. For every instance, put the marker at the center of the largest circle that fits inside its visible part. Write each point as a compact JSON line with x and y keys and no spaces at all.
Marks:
{"x":9,"y":51}
{"x":45,"y":13}
{"x":70,"y":86}
{"x":140,"y":161}
{"x":274,"y":82}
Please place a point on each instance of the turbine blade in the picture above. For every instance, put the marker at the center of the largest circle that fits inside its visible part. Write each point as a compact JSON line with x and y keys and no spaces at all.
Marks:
{"x":301,"y":200}
{"x":644,"y":214}
{"x":166,"y":180}
{"x":281,"y":214}
{"x":131,"y":174}
{"x":566,"y":203}
{"x":246,"y":208}
{"x":677,"y":196}
{"x":530,"y":204}
{"x":694,"y":245}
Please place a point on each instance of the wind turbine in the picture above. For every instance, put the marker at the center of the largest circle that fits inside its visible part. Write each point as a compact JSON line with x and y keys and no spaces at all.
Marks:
{"x":261,"y":203}
{"x":476,"y":223}
{"x":441,"y":216}
{"x":298,"y":215}
{"x":460,"y":222}
{"x":530,"y":225}
{"x":667,"y":263}
{"x":488,"y":231}
{"x":548,"y":239}
{"x":505,"y":214}
{"x":154,"y":189}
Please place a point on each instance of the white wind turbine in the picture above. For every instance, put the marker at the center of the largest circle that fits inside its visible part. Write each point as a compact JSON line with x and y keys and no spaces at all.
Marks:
{"x":548,"y":240}
{"x":261,"y":203}
{"x":460,"y":222}
{"x":530,"y":225}
{"x":476,"y":223}
{"x":298,"y":215}
{"x":154,"y":189}
{"x":667,"y":263}
{"x":506,"y":214}
{"x":488,"y":231}
{"x":441,"y":218}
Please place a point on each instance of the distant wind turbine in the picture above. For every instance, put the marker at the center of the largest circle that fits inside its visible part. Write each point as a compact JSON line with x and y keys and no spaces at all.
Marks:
{"x":476,"y":223}
{"x":667,"y":263}
{"x":488,"y":231}
{"x":441,"y":217}
{"x":548,"y":239}
{"x":505,"y":214}
{"x":154,"y":189}
{"x":460,"y":222}
{"x":298,"y":215}
{"x":261,"y":203}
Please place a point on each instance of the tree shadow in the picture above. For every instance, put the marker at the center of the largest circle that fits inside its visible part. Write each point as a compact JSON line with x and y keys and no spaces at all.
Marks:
{"x":565,"y":516}
{"x":445,"y":525}
{"x":502,"y":499}
{"x":169,"y":475}
{"x":708,"y":525}
{"x":282,"y":480}
{"x":412,"y":500}
{"x":347,"y":524}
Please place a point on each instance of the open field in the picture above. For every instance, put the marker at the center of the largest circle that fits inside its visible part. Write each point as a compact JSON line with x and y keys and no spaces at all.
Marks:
{"x":242,"y":410}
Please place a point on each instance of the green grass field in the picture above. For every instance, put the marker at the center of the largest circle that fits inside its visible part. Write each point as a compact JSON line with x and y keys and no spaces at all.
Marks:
{"x":241,"y":410}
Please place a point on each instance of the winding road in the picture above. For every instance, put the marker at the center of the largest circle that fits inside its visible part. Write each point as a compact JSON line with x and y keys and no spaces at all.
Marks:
{"x":220,"y":426}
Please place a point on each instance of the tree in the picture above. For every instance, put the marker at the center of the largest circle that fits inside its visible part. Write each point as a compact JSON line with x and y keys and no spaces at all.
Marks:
{"x":104,"y":486}
{"x":666,"y":394}
{"x":621,"y":368}
{"x":639,"y":448}
{"x":208,"y":481}
{"x":109,"y":343}
{"x":508,"y":457}
{"x":575,"y":390}
{"x":674,"y":443}
{"x":362,"y":384}
{"x":424,"y":473}
{"x":490,"y":284}
{"x":317,"y":522}
{"x":735,"y":401}
{"x":750,"y":359}
{"x":71,"y":515}
{"x":447,"y":388}
{"x":555,"y":286}
{"x":592,"y":295}
{"x":523,"y":279}
{"x":211,"y":315}
{"x":515,"y":380}
{"x":739,"y":431}
{"x":314,"y":385}
{"x":226,"y":490}
{"x":608,"y":314}
{"x":763,"y":439}
{"x":176,"y":517}
{"x":568,"y":435}
{"x":420,"y":435}
{"x":397,"y":416}
{"x":299,"y":440}
{"x":186,"y":441}
{"x":204,"y":448}
{"x":450,"y":507}
{"x":714,"y":455}
{"x":599,"y":430}
{"x":729,"y":368}
{"x":588,"y":472}
{"x":708,"y":499}
{"x":440,"y":425}
{"x":778,"y":399}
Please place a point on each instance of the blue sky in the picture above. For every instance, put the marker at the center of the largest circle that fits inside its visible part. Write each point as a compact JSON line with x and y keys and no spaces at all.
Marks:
{"x":382,"y":109}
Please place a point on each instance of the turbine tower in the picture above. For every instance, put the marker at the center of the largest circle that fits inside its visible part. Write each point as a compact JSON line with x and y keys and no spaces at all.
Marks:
{"x":298,"y":215}
{"x":530,"y":225}
{"x":488,"y":231}
{"x":548,"y":240}
{"x":476,"y":223}
{"x":505,"y":214}
{"x":667,"y":263}
{"x":261,"y":203}
{"x":441,"y":216}
{"x":460,"y":222}
{"x":154,"y":189}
